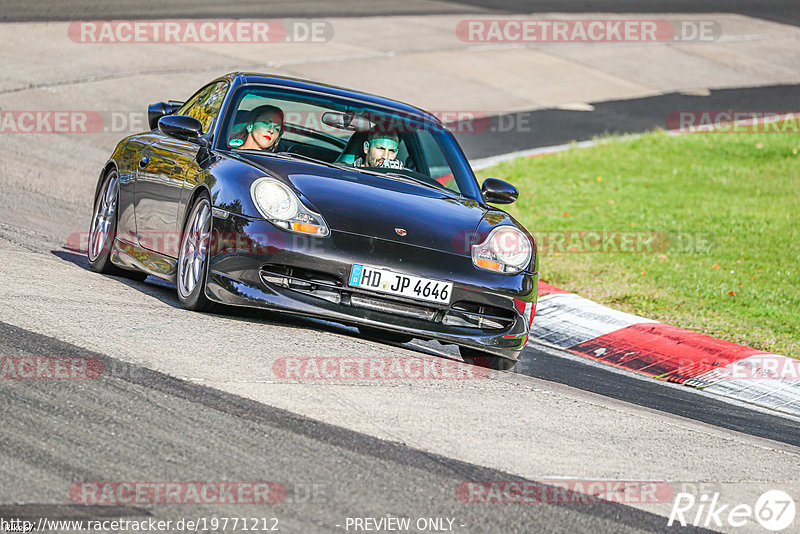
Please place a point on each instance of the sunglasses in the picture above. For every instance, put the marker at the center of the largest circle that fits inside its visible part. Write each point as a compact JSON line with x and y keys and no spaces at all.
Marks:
{"x":274,"y":126}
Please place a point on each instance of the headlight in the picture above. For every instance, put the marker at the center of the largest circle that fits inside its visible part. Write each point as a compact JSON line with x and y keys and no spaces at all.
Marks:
{"x":279,"y":205}
{"x":506,"y":250}
{"x":274,"y":200}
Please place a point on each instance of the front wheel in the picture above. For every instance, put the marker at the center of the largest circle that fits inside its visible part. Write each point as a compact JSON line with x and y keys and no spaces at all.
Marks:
{"x":104,"y":229}
{"x":193,"y":258}
{"x":482,"y":359}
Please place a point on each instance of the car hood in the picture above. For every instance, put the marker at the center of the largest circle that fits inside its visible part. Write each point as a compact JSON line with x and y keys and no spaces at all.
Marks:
{"x":383,"y":208}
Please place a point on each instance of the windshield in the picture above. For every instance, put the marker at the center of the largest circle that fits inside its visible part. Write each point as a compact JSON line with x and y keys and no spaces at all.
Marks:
{"x":347,"y":133}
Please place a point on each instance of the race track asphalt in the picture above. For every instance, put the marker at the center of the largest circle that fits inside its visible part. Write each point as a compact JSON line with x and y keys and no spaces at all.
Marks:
{"x":190,"y":397}
{"x":138,"y":425}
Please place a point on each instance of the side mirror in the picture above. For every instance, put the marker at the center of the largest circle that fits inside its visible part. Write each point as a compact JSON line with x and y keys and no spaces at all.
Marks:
{"x":498,"y":192}
{"x":181,"y":127}
{"x":158,"y":110}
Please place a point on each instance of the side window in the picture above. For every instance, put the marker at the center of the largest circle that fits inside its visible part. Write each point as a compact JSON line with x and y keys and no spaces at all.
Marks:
{"x":204,"y":106}
{"x":402,"y":153}
{"x":435,"y":160}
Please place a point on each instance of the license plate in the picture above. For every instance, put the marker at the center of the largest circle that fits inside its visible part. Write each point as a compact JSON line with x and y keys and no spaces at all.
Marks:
{"x":403,"y":285}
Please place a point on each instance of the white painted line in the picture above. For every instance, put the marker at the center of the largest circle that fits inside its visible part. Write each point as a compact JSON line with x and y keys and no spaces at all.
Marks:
{"x":576,"y":106}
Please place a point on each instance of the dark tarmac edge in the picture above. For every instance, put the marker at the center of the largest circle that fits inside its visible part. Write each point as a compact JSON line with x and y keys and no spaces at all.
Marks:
{"x":21,"y":341}
{"x":684,"y":401}
{"x":783,"y":11}
{"x":512,"y":132}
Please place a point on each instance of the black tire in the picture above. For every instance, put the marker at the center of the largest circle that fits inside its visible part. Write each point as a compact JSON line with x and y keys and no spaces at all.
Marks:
{"x":195,"y":239}
{"x":384,"y":335}
{"x":483,"y":359}
{"x":103,"y":230}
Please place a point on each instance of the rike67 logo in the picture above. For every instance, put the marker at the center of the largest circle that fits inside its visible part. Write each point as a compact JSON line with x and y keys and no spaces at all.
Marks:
{"x":774,"y":510}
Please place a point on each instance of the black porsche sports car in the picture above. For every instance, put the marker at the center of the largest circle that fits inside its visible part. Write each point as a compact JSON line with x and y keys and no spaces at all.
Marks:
{"x":299,"y":197}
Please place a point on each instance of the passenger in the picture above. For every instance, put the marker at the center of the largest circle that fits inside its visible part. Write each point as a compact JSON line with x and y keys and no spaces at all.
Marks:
{"x":262,"y":131}
{"x":380,"y":150}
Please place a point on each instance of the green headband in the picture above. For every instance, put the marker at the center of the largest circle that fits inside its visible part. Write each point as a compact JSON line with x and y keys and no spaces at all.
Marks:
{"x":392,"y":144}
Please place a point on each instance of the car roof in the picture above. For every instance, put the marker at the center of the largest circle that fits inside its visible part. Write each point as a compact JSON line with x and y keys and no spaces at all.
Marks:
{"x":240,"y":78}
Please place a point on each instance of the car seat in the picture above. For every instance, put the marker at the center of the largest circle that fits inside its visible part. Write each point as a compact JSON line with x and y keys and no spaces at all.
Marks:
{"x":354,"y":149}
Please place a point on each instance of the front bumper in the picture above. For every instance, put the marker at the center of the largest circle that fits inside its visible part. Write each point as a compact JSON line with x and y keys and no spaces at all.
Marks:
{"x":254,"y":264}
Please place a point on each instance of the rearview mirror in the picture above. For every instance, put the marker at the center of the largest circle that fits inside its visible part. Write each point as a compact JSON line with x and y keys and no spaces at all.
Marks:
{"x":498,"y":192}
{"x":158,"y":110}
{"x":181,"y":127}
{"x":346,"y":121}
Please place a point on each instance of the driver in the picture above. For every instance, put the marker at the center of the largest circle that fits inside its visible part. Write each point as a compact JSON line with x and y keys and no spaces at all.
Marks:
{"x":262,"y":131}
{"x":380,"y":150}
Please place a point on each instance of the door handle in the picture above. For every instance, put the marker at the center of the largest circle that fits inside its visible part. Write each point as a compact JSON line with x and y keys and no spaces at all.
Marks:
{"x":143,"y":162}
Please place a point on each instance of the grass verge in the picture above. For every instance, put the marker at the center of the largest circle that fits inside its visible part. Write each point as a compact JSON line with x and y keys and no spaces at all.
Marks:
{"x":701,"y":231}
